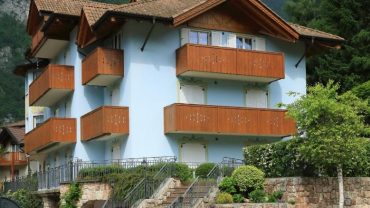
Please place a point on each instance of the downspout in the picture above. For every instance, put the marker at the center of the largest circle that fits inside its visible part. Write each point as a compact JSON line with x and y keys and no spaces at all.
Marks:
{"x":305,"y":52}
{"x":148,"y":35}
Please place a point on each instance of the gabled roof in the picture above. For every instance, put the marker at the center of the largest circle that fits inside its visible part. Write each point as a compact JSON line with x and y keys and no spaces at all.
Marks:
{"x":175,"y":12}
{"x":309,"y":32}
{"x":12,"y":133}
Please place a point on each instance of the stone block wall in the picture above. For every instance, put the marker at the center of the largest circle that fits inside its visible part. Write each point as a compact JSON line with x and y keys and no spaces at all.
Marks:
{"x":321,"y":192}
{"x":92,"y":193}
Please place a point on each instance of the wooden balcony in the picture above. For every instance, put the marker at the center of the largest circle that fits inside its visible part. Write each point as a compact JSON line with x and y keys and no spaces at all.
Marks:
{"x":207,"y":119}
{"x":102,"y":67}
{"x":104,"y":123}
{"x":55,"y":82}
{"x":48,"y":45}
{"x":229,"y":63}
{"x":53,"y":132}
{"x":13,"y":158}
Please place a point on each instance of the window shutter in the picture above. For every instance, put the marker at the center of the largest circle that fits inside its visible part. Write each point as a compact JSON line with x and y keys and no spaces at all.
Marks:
{"x":216,"y":38}
{"x":231,"y":40}
{"x":184,"y":36}
{"x":259,"y":44}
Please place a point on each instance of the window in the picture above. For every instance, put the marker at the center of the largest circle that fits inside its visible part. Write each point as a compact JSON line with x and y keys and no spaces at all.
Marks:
{"x":38,"y":120}
{"x":244,"y":43}
{"x":193,"y":94}
{"x":35,"y":74}
{"x":256,"y":98}
{"x":199,"y":37}
{"x":117,"y":41}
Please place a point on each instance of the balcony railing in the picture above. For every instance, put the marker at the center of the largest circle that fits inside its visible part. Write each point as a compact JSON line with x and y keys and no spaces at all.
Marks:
{"x":102,"y":67}
{"x":13,"y":158}
{"x":104,"y":122}
{"x":46,"y":44}
{"x":51,"y":132}
{"x":229,"y":63}
{"x":55,"y":82}
{"x":207,"y":119}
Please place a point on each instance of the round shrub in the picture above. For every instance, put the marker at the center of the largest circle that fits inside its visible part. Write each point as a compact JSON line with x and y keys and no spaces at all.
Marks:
{"x":238,"y":198}
{"x":248,"y":178}
{"x":181,"y":171}
{"x":257,"y":196}
{"x":224,"y":198}
{"x":228,"y":185}
{"x":203,"y":169}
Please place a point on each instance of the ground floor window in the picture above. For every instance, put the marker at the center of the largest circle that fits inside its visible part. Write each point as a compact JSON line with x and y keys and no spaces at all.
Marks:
{"x":193,"y":152}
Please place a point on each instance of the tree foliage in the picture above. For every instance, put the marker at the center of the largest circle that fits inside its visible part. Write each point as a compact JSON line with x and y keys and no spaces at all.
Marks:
{"x":349,"y":19}
{"x":332,"y":125}
{"x":13,"y":37}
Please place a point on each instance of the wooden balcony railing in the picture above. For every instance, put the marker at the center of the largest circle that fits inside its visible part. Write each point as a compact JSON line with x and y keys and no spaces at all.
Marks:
{"x":229,"y":63}
{"x":47,"y":44}
{"x":207,"y":119}
{"x":105,"y":121}
{"x":102,"y":67}
{"x":55,"y":82}
{"x":13,"y":158}
{"x":52,"y":131}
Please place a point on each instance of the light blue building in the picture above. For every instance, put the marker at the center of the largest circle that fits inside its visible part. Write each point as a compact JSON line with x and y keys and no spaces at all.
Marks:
{"x":194,"y":79}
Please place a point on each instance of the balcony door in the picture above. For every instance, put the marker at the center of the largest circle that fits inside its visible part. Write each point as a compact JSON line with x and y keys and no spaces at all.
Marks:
{"x":193,"y":94}
{"x":116,"y":150}
{"x":256,"y":98}
{"x":193,"y":152}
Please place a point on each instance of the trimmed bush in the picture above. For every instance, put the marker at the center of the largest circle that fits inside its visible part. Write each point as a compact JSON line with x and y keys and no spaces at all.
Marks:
{"x":238,"y":198}
{"x":248,"y":178}
{"x":181,"y":171}
{"x":224,"y":198}
{"x":203,"y":169}
{"x":228,"y":185}
{"x":283,"y":159}
{"x":257,"y":196}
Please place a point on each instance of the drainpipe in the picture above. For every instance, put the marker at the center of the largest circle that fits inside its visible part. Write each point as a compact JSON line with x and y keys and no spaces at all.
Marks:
{"x":148,"y":35}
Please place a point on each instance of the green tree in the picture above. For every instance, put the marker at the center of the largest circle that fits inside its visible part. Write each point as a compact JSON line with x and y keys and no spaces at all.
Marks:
{"x":331,"y":125}
{"x":349,"y":19}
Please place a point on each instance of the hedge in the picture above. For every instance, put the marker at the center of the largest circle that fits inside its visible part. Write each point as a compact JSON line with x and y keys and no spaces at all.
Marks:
{"x":283,"y":159}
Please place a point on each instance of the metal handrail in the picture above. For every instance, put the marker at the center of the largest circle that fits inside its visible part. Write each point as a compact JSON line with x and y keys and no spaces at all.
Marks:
{"x":144,"y":189}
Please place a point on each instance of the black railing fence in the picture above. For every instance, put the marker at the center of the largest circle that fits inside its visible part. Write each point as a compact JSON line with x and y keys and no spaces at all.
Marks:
{"x":80,"y":171}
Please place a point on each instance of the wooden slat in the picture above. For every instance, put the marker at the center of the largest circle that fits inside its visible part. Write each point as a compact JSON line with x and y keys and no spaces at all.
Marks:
{"x":190,"y":118}
{"x":231,"y":61}
{"x":103,"y":121}
{"x":54,"y":130}
{"x":53,"y":77}
{"x":102,"y":61}
{"x":19,"y":158}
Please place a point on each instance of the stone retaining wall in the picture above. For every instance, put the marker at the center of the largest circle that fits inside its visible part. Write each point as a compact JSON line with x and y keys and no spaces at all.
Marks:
{"x":321,"y":192}
{"x":92,"y":193}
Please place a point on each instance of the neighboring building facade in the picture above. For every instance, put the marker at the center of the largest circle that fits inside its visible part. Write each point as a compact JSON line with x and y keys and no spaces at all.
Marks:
{"x":13,"y":161}
{"x":194,"y":79}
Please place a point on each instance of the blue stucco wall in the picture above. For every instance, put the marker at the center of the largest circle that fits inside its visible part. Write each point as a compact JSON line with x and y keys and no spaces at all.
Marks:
{"x":150,"y":84}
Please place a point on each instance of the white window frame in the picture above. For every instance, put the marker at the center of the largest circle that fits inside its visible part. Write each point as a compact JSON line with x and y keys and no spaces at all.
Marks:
{"x":34,"y":123}
{"x":198,"y":32}
{"x":244,"y":37}
{"x":204,"y":86}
